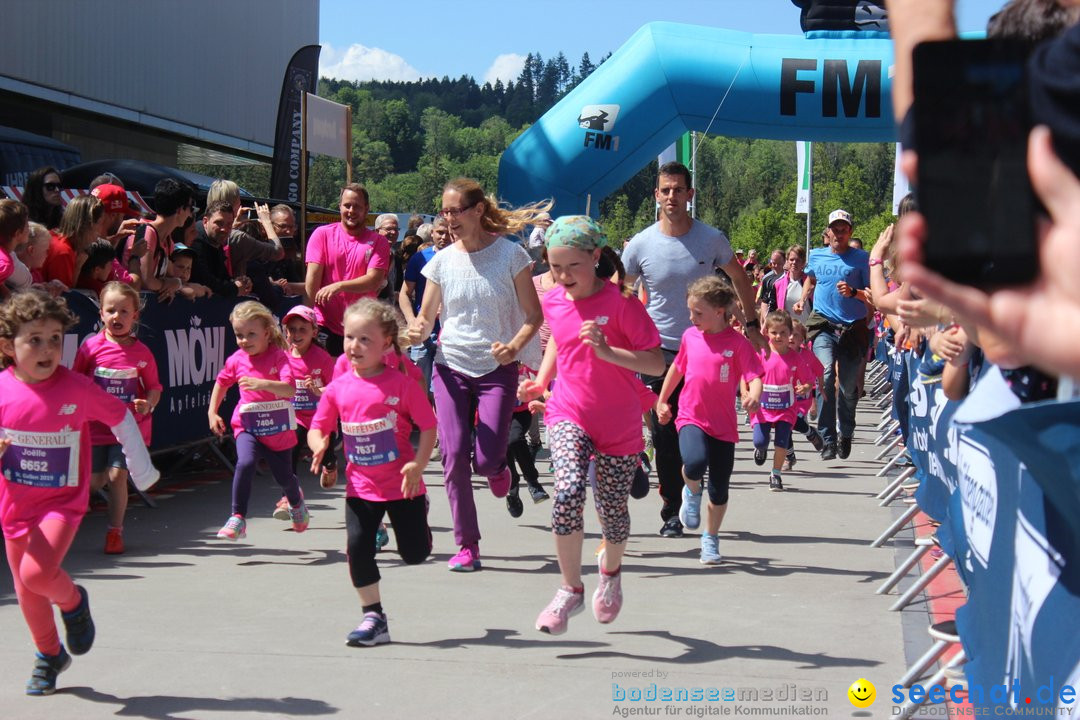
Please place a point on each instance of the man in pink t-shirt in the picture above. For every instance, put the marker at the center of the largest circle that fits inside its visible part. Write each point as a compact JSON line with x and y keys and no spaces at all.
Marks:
{"x":345,"y":262}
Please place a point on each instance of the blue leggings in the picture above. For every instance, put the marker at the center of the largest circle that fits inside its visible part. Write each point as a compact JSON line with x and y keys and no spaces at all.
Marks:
{"x":699,"y":451}
{"x":763,"y":429}
{"x":248,"y":452}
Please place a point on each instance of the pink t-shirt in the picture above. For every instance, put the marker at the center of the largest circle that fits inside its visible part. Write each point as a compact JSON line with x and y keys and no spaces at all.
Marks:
{"x":377,"y":414}
{"x":782,"y":373}
{"x":46,"y":467}
{"x":712,"y":365}
{"x":813,"y":368}
{"x":601,"y":398}
{"x":344,"y":257}
{"x":541,"y":291}
{"x":6,"y":265}
{"x":127,"y":372}
{"x":317,"y":364}
{"x":391,"y":359}
{"x":260,"y":412}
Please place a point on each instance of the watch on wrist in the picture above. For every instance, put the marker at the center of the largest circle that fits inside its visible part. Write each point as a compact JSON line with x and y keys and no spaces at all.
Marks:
{"x":876,"y":261}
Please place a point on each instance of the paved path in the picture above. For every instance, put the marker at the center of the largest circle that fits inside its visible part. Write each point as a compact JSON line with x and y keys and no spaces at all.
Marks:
{"x":193,"y":627}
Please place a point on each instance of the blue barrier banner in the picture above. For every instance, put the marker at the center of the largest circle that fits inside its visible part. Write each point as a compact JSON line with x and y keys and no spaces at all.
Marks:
{"x":190,"y":341}
{"x":933,"y":438}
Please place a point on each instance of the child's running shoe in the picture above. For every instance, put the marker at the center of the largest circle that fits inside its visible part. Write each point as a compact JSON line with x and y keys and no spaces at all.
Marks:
{"x":790,"y":460}
{"x":300,"y":517}
{"x":639,"y":486}
{"x":382,"y":538}
{"x":80,"y":625}
{"x":281,"y":510}
{"x":114,"y":541}
{"x":235,"y":528}
{"x":500,"y":484}
{"x":760,"y":454}
{"x":776,"y":483}
{"x":607,"y":600}
{"x":556,"y":616}
{"x":467,"y":559}
{"x":513,"y":504}
{"x":373,"y":630}
{"x":46,"y":667}
{"x":690,"y":512}
{"x":538,"y":494}
{"x":710,"y":549}
{"x":328,"y":478}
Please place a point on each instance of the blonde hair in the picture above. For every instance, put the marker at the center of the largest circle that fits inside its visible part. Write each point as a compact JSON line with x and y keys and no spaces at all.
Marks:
{"x":253,"y":310}
{"x":79,"y":218}
{"x":28,"y":306}
{"x":385,"y":316}
{"x":714,"y":290}
{"x":779,"y":317}
{"x":124,"y":289}
{"x":497,"y":220}
{"x":222,"y":190}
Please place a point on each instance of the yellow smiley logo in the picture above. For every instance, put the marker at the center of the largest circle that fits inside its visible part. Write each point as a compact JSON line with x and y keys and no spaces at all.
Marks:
{"x":862,"y":693}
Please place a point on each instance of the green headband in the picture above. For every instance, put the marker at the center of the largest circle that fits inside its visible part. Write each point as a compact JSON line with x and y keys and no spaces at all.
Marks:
{"x":575,"y":231}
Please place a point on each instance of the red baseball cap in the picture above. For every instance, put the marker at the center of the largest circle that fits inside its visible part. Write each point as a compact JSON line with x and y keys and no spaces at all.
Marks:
{"x":115,"y":199}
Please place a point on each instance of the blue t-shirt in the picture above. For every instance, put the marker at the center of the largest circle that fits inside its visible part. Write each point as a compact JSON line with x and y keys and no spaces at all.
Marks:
{"x":413,"y":274}
{"x":667,"y":265}
{"x":829,"y":268}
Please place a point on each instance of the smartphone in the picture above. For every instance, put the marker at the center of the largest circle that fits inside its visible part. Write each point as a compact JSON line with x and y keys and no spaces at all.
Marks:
{"x":971,"y":131}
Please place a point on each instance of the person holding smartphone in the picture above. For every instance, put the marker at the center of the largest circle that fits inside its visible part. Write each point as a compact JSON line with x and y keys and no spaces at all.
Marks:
{"x":837,"y":276}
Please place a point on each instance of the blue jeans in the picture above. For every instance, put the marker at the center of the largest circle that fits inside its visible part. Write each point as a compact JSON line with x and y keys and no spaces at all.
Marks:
{"x":829,"y":412}
{"x":424,"y":357}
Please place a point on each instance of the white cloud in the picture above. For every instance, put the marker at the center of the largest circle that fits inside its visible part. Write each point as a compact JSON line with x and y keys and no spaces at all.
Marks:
{"x":506,"y":68}
{"x":359,"y":63}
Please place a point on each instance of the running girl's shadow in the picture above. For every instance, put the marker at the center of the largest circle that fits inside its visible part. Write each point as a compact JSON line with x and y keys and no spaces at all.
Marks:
{"x":166,"y":707}
{"x":698,"y":651}
{"x":498,"y":637}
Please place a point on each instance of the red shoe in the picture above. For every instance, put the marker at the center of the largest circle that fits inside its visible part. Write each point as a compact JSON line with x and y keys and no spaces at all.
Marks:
{"x":114,"y":542}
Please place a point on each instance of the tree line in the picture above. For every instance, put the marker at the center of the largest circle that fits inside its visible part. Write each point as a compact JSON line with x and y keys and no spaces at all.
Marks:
{"x":409,"y":138}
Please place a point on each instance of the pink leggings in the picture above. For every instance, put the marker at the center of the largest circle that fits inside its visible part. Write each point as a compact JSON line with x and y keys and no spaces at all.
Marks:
{"x":40,"y":582}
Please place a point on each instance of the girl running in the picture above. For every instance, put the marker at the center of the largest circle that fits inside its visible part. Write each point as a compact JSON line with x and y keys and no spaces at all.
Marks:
{"x":312,"y":369}
{"x":713,"y":360}
{"x":45,"y":410}
{"x":263,"y":422}
{"x":125,"y":368}
{"x":377,"y":406}
{"x":804,"y":402}
{"x":785,"y":377}
{"x":600,"y":338}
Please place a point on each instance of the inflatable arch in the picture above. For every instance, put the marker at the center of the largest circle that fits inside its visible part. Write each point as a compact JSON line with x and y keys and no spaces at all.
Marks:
{"x":670,"y":78}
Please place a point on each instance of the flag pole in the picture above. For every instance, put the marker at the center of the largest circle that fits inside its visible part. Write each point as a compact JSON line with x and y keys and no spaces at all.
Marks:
{"x":809,"y":193}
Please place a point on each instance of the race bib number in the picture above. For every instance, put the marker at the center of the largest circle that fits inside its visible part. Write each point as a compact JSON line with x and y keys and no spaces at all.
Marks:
{"x":267,"y":418}
{"x":44,"y":460}
{"x":371,"y":443}
{"x":304,"y":398}
{"x":121,"y":384}
{"x":777,"y":397}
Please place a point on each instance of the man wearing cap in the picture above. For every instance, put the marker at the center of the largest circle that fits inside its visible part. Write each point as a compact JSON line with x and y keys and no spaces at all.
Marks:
{"x":838,"y":277}
{"x":345,"y":262}
{"x":668,"y":256}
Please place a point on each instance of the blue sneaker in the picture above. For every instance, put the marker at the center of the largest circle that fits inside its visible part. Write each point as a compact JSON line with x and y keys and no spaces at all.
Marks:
{"x":710,"y":549}
{"x":46,"y":667}
{"x":690,"y":512}
{"x":79,"y":625}
{"x":373,"y":630}
{"x":382,"y":538}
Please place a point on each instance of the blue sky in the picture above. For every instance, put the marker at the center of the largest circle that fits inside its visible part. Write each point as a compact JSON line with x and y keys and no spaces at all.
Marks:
{"x":410,"y":39}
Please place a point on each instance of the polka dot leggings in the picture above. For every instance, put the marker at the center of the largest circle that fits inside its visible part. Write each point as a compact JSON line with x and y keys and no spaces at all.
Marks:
{"x":571,"y":452}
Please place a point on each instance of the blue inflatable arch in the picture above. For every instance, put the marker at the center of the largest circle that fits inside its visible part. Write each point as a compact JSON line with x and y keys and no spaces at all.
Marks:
{"x":670,"y":78}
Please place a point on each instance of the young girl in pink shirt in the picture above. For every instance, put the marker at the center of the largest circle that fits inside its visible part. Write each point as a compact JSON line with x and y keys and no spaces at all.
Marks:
{"x":263,"y":422}
{"x":45,"y":411}
{"x":785,"y":377}
{"x":804,"y":402}
{"x":125,"y":368}
{"x":377,"y":406}
{"x":713,"y":360}
{"x":600,"y":338}
{"x":312,"y":370}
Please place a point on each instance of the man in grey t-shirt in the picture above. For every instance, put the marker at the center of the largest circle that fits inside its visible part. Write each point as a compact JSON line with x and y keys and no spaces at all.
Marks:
{"x":668,"y":256}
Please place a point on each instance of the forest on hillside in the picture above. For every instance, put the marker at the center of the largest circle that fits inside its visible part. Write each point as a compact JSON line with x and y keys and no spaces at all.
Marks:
{"x":409,"y":138}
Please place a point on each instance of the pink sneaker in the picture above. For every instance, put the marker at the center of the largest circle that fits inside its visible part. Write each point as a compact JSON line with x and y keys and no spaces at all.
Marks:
{"x":500,"y":484}
{"x":467,"y":559}
{"x":607,"y":600}
{"x":556,"y":616}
